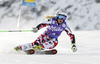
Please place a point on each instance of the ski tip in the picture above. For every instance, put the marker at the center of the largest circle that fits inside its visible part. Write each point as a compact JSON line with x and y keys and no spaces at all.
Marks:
{"x":32,"y":51}
{"x":29,"y":52}
{"x":51,"y":52}
{"x":54,"y":51}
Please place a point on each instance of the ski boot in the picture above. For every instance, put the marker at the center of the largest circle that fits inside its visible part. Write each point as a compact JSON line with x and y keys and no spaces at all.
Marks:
{"x":17,"y":48}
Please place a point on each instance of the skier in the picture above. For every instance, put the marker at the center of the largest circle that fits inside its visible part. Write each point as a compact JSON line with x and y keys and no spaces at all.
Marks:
{"x":49,"y":39}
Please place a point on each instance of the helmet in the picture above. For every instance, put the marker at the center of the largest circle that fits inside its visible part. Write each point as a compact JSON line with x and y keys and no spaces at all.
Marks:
{"x":61,"y":12}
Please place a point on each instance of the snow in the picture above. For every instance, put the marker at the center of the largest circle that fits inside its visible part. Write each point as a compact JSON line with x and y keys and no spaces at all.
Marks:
{"x":82,"y":14}
{"x":87,"y":43}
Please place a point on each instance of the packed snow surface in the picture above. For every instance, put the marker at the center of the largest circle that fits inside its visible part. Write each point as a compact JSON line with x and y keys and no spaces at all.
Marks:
{"x":87,"y":42}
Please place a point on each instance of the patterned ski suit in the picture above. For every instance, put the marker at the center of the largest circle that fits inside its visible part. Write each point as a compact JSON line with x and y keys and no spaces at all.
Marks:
{"x":49,"y":39}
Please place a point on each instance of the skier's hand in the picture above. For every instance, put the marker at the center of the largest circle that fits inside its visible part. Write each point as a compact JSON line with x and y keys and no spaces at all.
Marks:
{"x":74,"y":48}
{"x":35,"y":30}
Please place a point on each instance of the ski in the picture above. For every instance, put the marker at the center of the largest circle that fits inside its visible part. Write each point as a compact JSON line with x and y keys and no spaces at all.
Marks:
{"x":52,"y":51}
{"x":37,"y":50}
{"x":32,"y":51}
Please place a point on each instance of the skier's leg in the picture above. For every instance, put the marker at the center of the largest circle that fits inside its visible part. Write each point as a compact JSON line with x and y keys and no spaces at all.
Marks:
{"x":23,"y":47}
{"x":50,"y":44}
{"x":37,"y":42}
{"x":41,"y":39}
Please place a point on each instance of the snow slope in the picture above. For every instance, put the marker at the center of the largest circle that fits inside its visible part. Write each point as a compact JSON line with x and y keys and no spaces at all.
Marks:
{"x":88,"y":44}
{"x":82,"y":14}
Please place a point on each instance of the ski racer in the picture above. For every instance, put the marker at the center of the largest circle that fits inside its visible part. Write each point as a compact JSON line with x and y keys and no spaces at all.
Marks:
{"x":49,"y":39}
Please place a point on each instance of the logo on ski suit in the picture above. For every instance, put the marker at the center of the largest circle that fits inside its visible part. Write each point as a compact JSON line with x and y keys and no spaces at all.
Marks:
{"x":54,"y":29}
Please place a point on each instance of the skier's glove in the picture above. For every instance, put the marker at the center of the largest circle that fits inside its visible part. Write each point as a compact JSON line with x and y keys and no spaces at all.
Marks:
{"x":74,"y":48}
{"x":35,"y":30}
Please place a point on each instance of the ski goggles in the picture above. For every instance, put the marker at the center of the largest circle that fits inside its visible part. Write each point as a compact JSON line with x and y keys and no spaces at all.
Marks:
{"x":62,"y":17}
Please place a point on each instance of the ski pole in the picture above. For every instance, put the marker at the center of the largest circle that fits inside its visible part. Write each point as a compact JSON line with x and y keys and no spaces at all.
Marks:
{"x":18,"y":31}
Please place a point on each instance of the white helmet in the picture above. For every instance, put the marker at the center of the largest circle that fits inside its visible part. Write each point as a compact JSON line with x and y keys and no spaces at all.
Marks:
{"x":62,"y":12}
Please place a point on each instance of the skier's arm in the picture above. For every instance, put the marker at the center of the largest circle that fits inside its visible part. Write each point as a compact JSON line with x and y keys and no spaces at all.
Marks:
{"x":44,"y":24}
{"x":41,"y":25}
{"x":72,"y":38}
{"x":69,"y":32}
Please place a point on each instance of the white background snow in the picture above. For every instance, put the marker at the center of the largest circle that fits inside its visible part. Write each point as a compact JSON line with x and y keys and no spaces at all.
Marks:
{"x":83,"y":15}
